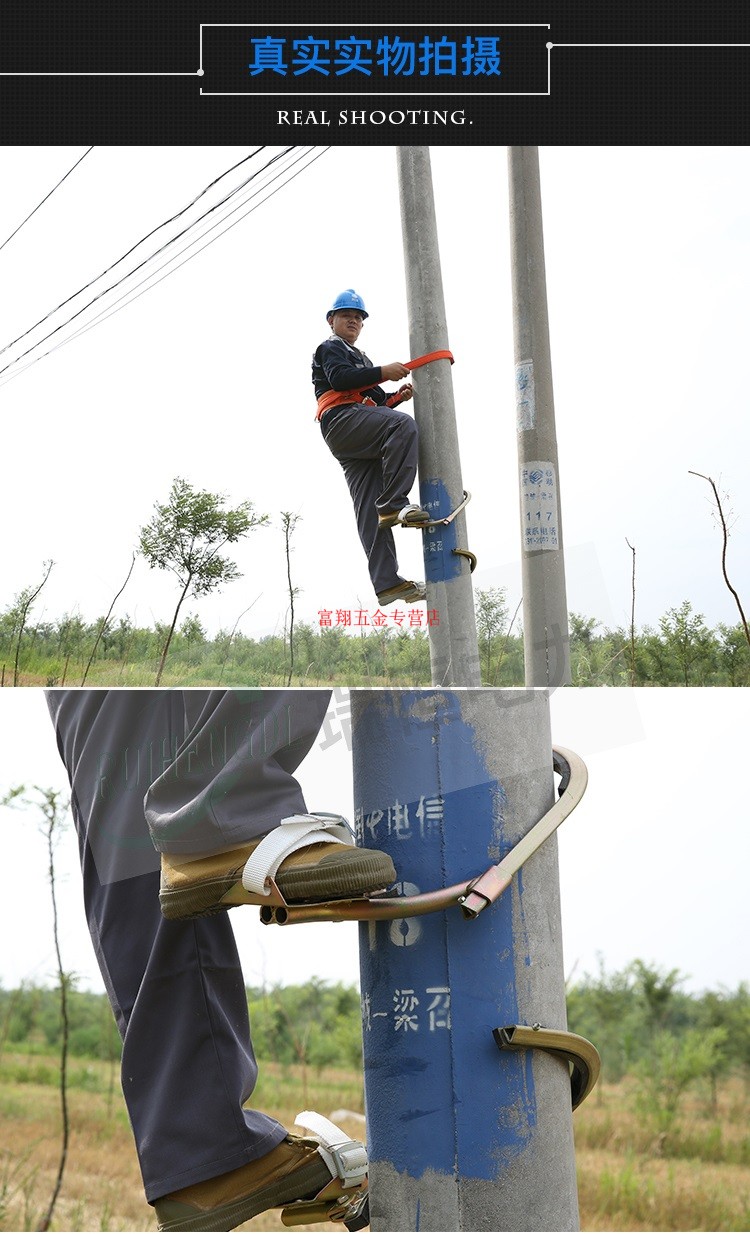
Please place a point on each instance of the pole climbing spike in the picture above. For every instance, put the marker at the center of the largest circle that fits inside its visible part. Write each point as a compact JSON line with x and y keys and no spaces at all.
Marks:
{"x":472,"y":897}
{"x":441,"y":522}
{"x":344,"y":1198}
{"x":470,"y":557}
{"x":583,"y":1057}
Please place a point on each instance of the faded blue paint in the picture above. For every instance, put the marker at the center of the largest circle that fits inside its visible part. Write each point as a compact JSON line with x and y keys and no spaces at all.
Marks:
{"x":440,"y":562}
{"x":441,"y":1098}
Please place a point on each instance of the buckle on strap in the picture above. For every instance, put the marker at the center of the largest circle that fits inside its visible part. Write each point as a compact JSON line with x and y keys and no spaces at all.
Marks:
{"x":345,"y":1158}
{"x":296,"y":831}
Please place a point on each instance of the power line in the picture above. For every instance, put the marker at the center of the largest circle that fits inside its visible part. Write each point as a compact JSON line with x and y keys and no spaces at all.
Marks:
{"x":133,"y":247}
{"x":110,"y":312}
{"x":41,"y":203}
{"x":128,"y":297}
{"x":172,"y":240}
{"x":117,"y":306}
{"x":145,"y":262}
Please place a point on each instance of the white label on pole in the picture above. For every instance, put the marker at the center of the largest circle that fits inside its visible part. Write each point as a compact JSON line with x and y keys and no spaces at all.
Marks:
{"x":525,"y":396}
{"x":539,"y":514}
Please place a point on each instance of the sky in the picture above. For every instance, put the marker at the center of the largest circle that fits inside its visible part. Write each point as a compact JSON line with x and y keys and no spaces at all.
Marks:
{"x":206,"y":376}
{"x":652,"y":862}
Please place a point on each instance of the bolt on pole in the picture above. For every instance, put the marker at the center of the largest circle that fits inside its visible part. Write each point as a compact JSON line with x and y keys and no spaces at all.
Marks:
{"x":461,"y":1136}
{"x":454,"y":649}
{"x":545,"y":612}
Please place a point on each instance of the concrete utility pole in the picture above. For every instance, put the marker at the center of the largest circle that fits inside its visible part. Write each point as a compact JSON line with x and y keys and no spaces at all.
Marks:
{"x":545,"y":611}
{"x":461,"y":1136}
{"x":454,"y":650}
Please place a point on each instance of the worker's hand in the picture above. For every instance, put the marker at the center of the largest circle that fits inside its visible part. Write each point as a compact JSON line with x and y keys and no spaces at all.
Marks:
{"x":405,"y":393}
{"x":393,"y":372}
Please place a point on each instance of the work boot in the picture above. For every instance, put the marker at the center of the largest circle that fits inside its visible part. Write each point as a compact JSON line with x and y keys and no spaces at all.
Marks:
{"x":315,"y":873}
{"x":409,"y":516}
{"x":294,"y":1170}
{"x":408,"y":592}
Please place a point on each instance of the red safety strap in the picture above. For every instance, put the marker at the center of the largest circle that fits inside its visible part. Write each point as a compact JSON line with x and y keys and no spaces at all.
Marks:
{"x":428,"y":358}
{"x":334,"y":398}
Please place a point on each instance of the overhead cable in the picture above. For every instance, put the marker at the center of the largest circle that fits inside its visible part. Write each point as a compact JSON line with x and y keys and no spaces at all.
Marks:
{"x":128,"y":297}
{"x":132,"y":249}
{"x":41,"y":203}
{"x":130,"y":273}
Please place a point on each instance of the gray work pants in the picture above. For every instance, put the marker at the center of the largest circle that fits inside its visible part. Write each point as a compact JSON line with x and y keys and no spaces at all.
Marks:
{"x":215,"y":768}
{"x":377,"y":448}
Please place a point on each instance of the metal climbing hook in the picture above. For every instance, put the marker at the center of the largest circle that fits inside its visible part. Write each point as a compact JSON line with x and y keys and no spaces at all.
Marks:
{"x":582,"y":1056}
{"x":472,"y":896}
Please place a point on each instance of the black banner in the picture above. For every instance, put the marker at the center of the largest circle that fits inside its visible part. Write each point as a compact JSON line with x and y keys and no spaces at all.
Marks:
{"x":195,"y":72}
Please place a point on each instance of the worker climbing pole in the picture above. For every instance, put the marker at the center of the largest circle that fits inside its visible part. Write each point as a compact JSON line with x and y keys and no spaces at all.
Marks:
{"x":454,"y":651}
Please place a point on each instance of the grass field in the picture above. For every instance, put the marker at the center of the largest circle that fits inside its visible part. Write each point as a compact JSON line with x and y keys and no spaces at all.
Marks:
{"x":629,"y":1178}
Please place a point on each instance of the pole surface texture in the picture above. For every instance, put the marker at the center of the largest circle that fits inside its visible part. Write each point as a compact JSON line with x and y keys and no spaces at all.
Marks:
{"x":545,"y":611}
{"x":454,"y":650}
{"x":462,"y":1136}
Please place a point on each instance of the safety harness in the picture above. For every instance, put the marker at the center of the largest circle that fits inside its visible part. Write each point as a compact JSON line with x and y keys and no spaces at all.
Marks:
{"x":335,"y":398}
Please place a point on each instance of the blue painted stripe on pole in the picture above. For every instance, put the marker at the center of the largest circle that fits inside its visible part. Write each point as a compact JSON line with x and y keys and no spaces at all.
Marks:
{"x":438,"y":543}
{"x":440,"y":1096}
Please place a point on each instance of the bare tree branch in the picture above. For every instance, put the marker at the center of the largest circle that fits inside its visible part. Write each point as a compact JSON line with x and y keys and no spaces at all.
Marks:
{"x":53,"y":810}
{"x":725,"y":542}
{"x":105,"y":622}
{"x":288,"y":524}
{"x":25,"y":601}
{"x":632,"y":616}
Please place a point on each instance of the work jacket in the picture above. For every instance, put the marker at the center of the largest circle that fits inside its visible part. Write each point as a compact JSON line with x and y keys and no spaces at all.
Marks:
{"x":336,"y":365}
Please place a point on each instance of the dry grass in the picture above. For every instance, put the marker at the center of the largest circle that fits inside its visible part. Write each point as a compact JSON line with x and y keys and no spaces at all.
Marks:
{"x":626,"y":1180}
{"x":647,"y":1193}
{"x":102,"y":1185}
{"x":630,"y":1178}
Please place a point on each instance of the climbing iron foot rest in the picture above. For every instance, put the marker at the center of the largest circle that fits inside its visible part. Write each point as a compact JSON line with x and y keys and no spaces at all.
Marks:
{"x":472,"y":897}
{"x":344,"y":1198}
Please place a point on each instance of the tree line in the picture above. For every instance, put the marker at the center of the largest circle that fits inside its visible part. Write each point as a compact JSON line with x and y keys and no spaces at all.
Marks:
{"x":680,"y":651}
{"x":186,"y":537}
{"x":625,"y":1013}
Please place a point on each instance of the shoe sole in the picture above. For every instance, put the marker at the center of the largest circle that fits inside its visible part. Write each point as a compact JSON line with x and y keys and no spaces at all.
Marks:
{"x":305,"y":1182}
{"x":408,"y":597}
{"x":403,"y":522}
{"x":362,"y":874}
{"x":200,"y":900}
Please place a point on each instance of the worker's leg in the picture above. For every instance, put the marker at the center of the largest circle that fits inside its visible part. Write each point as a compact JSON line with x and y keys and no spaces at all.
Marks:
{"x":377,"y":449}
{"x":176,"y":988}
{"x":366,"y":433}
{"x":365,"y":481}
{"x":230,"y":777}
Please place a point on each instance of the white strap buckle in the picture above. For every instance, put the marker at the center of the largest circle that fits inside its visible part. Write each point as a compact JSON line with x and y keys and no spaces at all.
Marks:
{"x":345,"y":1158}
{"x":297,"y":831}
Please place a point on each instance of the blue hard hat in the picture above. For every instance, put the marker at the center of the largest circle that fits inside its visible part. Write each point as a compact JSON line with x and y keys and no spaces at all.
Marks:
{"x":348,"y":300}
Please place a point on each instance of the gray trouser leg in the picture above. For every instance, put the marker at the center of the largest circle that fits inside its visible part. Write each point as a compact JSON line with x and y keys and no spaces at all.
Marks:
{"x":365,"y":481}
{"x":231,"y":777}
{"x":377,"y":448}
{"x":176,"y":988}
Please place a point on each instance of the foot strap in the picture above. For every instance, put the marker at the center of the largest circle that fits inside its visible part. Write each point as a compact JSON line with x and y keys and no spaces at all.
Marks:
{"x":345,"y":1158}
{"x":297,"y":831}
{"x":344,"y":1198}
